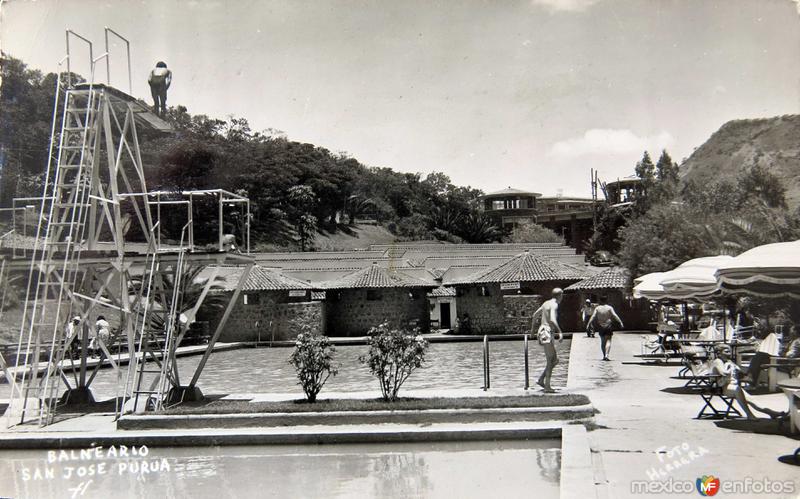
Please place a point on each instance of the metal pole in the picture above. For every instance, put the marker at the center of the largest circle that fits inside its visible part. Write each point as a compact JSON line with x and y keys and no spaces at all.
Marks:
{"x":486,"y":380}
{"x":191,"y":227}
{"x":108,"y":61}
{"x":128,"y":49}
{"x":130,"y":77}
{"x":91,"y":56}
{"x":247,"y":225}
{"x":69,"y":77}
{"x":527,"y":381}
{"x":13,"y":215}
{"x":158,"y":219}
{"x":84,"y":350}
{"x":220,"y":220}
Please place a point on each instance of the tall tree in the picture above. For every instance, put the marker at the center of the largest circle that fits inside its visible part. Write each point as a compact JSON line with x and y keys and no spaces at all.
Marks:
{"x":645,"y":170}
{"x":302,"y":200}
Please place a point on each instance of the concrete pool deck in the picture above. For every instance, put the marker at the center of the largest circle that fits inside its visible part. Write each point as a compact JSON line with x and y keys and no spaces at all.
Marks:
{"x":639,"y":425}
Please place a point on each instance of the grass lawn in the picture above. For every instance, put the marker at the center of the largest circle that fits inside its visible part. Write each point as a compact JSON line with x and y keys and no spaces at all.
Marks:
{"x":404,"y":404}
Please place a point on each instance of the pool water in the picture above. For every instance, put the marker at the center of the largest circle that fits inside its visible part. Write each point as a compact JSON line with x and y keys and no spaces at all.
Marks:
{"x":267,"y":370}
{"x":447,"y":366}
{"x":451,"y":469}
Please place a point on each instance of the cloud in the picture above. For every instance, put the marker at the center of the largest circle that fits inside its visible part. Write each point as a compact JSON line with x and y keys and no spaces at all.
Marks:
{"x":606,"y":141}
{"x":568,"y":5}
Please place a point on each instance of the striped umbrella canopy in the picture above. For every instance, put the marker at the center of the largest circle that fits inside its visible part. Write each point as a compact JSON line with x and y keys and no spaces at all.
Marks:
{"x":649,"y":286}
{"x":695,"y":278}
{"x":771,"y":270}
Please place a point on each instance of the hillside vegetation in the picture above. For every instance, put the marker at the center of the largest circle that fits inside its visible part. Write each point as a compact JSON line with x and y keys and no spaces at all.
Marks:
{"x":297,"y":190}
{"x":771,"y":143}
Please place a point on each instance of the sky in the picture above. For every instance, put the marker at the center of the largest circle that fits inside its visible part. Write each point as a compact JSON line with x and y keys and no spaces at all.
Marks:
{"x":530,"y":94}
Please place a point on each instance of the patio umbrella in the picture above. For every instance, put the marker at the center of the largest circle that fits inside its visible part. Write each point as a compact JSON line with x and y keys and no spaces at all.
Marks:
{"x":649,"y":286}
{"x":695,"y":278}
{"x":771,"y":270}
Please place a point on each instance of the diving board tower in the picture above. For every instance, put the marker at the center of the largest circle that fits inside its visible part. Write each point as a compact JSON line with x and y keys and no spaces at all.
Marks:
{"x":94,"y":198}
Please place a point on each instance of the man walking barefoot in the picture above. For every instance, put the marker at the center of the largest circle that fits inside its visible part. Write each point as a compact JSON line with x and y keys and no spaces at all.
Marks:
{"x":603,"y":319}
{"x":549,"y":325}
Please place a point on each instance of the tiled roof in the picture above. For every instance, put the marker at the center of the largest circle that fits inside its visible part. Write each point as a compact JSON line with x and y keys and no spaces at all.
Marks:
{"x":437,"y":273}
{"x":525,"y":267}
{"x":433,"y":247}
{"x":612,"y":278}
{"x":442,"y":291}
{"x":375,"y":276}
{"x":319,"y":255}
{"x":262,"y":279}
{"x":510,"y":191}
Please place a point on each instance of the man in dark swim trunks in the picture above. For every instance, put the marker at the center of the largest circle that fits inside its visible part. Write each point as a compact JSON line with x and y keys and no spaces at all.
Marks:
{"x":603,"y":319}
{"x":160,"y":79}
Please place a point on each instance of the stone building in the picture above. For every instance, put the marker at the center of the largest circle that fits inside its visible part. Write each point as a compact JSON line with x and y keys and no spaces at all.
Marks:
{"x":374,"y":295}
{"x":614,"y":283}
{"x":509,"y":207}
{"x":501,"y":300}
{"x":569,"y":217}
{"x":272,"y":307}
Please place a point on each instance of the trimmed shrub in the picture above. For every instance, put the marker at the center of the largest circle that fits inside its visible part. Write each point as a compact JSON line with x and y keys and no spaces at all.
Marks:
{"x":312,"y":358}
{"x":393,"y":355}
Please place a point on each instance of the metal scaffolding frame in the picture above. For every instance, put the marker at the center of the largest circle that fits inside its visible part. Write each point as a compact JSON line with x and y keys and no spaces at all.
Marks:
{"x":224,"y":198}
{"x":82,"y":265}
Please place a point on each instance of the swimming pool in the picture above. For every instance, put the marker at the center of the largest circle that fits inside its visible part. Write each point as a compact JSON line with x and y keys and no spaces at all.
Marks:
{"x":436,"y":469}
{"x":453,"y":365}
{"x":447,"y":366}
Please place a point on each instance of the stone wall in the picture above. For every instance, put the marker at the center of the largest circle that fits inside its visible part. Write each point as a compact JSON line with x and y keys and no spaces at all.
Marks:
{"x":491,"y":314}
{"x":352,"y":312}
{"x":569,"y":317}
{"x":518,"y":310}
{"x":272,"y":316}
{"x":485,"y":309}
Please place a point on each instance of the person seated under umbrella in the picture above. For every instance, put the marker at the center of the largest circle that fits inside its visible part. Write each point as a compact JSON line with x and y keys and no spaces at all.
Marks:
{"x":730,"y":376}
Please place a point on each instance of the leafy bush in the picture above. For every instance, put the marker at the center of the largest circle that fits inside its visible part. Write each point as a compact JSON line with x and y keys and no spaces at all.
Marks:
{"x":393,"y":355}
{"x":528,"y":232}
{"x":312,"y":358}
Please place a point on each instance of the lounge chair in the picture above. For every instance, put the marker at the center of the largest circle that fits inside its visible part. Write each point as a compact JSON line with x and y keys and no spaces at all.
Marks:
{"x":716,"y":403}
{"x":697,"y":376}
{"x":660,"y":347}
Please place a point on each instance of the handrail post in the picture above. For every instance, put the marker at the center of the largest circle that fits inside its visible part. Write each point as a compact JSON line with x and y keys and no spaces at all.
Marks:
{"x":128,"y":51}
{"x":527,"y":380}
{"x":69,"y":61}
{"x":486,"y":376}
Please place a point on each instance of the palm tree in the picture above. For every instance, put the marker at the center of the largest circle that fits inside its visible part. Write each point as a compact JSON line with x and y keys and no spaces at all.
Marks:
{"x":737,"y":234}
{"x":358,"y":205}
{"x":477,"y":228}
{"x":445,"y":218}
{"x":189,"y":309}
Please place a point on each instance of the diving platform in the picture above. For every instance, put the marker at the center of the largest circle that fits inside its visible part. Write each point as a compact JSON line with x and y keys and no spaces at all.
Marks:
{"x":121,"y":101}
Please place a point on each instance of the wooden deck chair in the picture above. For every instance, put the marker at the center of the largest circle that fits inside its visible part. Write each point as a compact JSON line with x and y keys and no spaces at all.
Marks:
{"x":716,"y":403}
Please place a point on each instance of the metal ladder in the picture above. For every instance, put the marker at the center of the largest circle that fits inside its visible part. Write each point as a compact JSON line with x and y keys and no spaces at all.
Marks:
{"x":57,"y":256}
{"x":151,"y":394}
